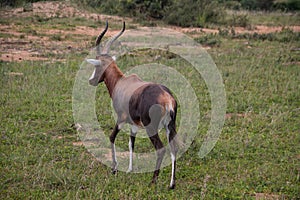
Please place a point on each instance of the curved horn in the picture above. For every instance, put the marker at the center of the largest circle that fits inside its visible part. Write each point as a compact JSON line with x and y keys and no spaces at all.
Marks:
{"x":98,"y":40}
{"x":109,"y":43}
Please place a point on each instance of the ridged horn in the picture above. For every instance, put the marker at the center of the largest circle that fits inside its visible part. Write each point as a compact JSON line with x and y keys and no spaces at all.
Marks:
{"x":98,"y":40}
{"x":112,"y":40}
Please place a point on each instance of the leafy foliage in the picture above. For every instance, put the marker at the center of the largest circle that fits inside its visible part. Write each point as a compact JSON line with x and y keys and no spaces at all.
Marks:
{"x":194,"y":13}
{"x":197,"y":13}
{"x":153,"y":9}
{"x":262,"y":4}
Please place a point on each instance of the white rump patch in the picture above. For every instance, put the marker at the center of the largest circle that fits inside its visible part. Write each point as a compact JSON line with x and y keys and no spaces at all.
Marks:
{"x":165,"y":120}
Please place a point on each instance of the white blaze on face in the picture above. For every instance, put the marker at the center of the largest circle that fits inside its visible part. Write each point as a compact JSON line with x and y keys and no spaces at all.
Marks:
{"x":93,"y":75}
{"x":95,"y":63}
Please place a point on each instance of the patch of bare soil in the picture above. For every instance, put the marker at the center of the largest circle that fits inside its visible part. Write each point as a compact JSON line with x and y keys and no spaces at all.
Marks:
{"x":80,"y":30}
{"x":36,"y":45}
{"x":20,"y":56}
{"x":20,"y":46}
{"x":260,"y":29}
{"x":57,"y":9}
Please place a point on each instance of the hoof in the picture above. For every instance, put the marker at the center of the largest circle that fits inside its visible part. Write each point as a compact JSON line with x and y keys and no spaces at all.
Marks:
{"x":114,"y":171}
{"x":172,"y":187}
{"x":152,"y":183}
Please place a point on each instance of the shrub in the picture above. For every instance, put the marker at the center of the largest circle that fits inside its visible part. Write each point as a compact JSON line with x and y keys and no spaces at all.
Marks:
{"x":233,"y":5}
{"x":144,"y":9}
{"x":239,"y":20}
{"x":194,"y":13}
{"x":209,"y":40}
{"x":289,"y":5}
{"x":15,"y":3}
{"x":286,"y":35}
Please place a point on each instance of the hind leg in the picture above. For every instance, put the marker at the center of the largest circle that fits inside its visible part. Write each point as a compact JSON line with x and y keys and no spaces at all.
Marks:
{"x":155,"y":114}
{"x":171,"y":134}
{"x":160,"y":152}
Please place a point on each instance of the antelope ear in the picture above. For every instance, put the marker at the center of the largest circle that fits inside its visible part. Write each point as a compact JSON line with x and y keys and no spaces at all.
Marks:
{"x":93,"y":61}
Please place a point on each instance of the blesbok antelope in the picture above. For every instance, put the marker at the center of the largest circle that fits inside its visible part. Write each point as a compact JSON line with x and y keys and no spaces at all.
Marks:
{"x":139,"y":103}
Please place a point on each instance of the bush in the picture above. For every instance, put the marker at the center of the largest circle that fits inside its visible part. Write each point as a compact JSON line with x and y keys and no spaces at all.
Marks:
{"x":211,"y":40}
{"x":144,"y":9}
{"x":233,"y":5}
{"x":286,"y":35}
{"x":194,"y":13}
{"x":264,"y":4}
{"x":239,"y":20}
{"x":15,"y":3}
{"x":289,"y":5}
{"x":257,"y":4}
{"x":286,"y":5}
{"x":249,"y":4}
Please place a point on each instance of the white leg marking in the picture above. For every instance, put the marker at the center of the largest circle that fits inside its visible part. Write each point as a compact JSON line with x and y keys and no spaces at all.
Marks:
{"x":130,"y":156}
{"x":114,"y":157}
{"x":173,"y":158}
{"x":134,"y":130}
{"x":173,"y":169}
{"x":167,"y":132}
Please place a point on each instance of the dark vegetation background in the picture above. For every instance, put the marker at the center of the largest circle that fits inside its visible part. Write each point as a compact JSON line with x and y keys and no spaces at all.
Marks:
{"x":180,"y":12}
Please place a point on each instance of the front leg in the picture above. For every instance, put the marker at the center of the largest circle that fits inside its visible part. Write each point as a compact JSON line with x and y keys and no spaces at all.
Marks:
{"x":133,"y":132}
{"x":113,"y":148}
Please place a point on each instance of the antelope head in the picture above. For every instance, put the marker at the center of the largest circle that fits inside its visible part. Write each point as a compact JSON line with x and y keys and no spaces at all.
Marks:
{"x":103,"y":59}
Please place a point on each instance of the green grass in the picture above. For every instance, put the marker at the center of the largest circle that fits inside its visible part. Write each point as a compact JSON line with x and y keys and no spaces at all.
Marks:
{"x":256,"y":154}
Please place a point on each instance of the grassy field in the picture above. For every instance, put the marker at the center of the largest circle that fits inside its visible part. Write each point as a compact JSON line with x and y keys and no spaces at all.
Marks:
{"x":257,"y":155}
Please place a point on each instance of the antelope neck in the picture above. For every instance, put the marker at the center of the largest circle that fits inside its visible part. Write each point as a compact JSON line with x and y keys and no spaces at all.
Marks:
{"x":111,"y":76}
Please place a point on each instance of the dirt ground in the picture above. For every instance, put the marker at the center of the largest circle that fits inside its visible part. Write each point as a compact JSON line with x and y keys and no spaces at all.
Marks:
{"x":31,"y":46}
